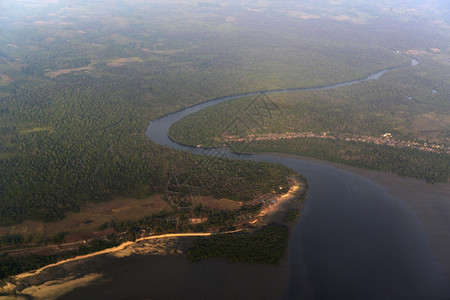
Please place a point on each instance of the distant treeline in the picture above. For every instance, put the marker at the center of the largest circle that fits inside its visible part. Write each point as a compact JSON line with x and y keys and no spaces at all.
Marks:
{"x":163,"y":222}
{"x":401,"y":102}
{"x":79,"y":145}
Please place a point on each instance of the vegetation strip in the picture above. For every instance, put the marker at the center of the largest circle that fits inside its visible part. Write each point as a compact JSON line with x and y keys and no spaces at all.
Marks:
{"x":267,"y":245}
{"x":347,"y":124}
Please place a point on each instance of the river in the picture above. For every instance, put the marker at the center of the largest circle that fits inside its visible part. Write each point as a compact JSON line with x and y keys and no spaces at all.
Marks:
{"x":355,"y":239}
{"x":363,"y":235}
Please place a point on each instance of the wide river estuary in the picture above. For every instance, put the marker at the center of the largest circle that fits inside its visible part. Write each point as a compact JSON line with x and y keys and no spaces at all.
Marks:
{"x":355,"y":239}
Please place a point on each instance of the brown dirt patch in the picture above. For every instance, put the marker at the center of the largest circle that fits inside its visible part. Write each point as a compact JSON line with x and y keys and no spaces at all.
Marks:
{"x":122,"y":61}
{"x":429,"y":125}
{"x":85,"y":224}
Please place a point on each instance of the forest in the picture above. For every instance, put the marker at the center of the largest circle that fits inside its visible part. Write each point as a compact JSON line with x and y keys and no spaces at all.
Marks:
{"x":267,"y":245}
{"x":174,"y":221}
{"x":73,"y":117}
{"x":411,"y":104}
{"x":80,"y":81}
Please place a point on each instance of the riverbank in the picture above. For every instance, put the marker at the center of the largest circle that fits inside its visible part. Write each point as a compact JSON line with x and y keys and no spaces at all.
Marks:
{"x":355,"y":238}
{"x":124,"y":276}
{"x":170,"y":248}
{"x":276,"y":212}
{"x":129,"y":274}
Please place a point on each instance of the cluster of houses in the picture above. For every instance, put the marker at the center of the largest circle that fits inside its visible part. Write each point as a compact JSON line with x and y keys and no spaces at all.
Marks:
{"x":384,"y":139}
{"x":266,"y":201}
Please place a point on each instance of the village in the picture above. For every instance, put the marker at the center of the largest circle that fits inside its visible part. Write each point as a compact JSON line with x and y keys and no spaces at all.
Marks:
{"x":385,"y":139}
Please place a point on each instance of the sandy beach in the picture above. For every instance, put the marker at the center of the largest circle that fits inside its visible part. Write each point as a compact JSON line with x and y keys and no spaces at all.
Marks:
{"x":55,"y":280}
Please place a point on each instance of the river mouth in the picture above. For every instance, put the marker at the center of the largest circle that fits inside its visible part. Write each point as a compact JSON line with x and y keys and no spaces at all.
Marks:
{"x":355,"y":239}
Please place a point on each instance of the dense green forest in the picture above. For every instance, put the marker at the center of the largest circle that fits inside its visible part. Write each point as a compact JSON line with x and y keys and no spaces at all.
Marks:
{"x":80,"y":83}
{"x":411,"y":104}
{"x":291,"y":215}
{"x":172,"y":222}
{"x":81,"y":80}
{"x":432,"y":167}
{"x":267,"y":245}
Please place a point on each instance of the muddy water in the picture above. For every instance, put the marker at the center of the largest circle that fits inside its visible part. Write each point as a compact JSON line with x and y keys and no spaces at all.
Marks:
{"x":359,"y":237}
{"x":355,"y":239}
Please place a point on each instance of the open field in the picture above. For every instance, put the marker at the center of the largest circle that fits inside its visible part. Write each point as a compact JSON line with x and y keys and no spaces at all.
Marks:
{"x":85,"y":224}
{"x":158,"y":245}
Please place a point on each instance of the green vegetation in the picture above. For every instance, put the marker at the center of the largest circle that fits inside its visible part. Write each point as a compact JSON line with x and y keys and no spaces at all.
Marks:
{"x":73,"y":109}
{"x":80,"y":81}
{"x":401,"y":102}
{"x":164,"y":222}
{"x":369,"y":108}
{"x":68,"y":170}
{"x":14,"y":266}
{"x":264,"y":246}
{"x":291,"y":215}
{"x":20,"y":240}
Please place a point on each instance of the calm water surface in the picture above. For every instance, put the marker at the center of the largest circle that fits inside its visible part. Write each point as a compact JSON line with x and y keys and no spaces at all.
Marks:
{"x":354,"y":240}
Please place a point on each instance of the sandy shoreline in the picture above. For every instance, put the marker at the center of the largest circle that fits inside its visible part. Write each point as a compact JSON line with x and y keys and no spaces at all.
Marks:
{"x":431,"y":203}
{"x":28,"y":283}
{"x":268,"y":211}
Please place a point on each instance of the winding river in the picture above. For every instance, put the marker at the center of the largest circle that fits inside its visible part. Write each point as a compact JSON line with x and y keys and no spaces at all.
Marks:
{"x":355,"y":239}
